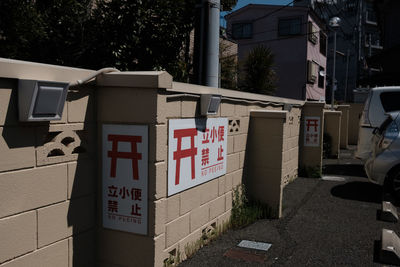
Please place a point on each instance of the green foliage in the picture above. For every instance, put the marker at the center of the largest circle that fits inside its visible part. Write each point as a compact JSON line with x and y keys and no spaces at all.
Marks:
{"x":245,"y":211}
{"x":310,"y":172}
{"x":126,"y":34}
{"x":259,"y":77}
{"x":229,"y":67}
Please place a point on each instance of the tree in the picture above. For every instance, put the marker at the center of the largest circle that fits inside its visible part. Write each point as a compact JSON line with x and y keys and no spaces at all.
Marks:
{"x":126,"y":34}
{"x":258,"y":74}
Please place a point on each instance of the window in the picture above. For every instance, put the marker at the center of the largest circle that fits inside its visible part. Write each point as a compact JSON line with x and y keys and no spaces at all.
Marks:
{"x":242,"y":30}
{"x":321,"y":77}
{"x":322,"y":43}
{"x":390,"y":101}
{"x":289,"y":26}
{"x":312,"y":71}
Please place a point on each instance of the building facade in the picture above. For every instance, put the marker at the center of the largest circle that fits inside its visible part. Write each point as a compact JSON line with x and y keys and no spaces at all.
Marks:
{"x":358,"y":38}
{"x":296,"y":38}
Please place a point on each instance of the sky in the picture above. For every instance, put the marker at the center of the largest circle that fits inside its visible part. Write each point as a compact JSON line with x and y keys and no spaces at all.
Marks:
{"x":242,"y":3}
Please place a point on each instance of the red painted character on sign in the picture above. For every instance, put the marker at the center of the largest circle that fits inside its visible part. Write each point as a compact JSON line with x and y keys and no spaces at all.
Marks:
{"x":112,"y":206}
{"x":112,"y":191}
{"x":179,"y":154}
{"x":205,"y":156}
{"x":221,"y":130}
{"x":136,"y":210}
{"x":136,"y":194}
{"x":133,"y":155}
{"x":205,"y":136}
{"x":220,"y":150}
{"x":312,"y":123}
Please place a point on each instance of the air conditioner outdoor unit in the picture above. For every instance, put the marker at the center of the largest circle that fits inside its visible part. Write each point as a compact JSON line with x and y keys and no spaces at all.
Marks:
{"x":312,"y":33}
{"x":312,"y":72}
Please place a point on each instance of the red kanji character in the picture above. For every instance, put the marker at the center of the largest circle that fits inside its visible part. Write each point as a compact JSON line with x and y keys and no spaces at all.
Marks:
{"x":112,"y":191}
{"x":135,"y":210}
{"x":136,"y":194}
{"x":221,"y":130}
{"x":312,"y":123}
{"x":133,"y":155}
{"x":112,"y":206}
{"x":220,"y":150}
{"x":205,"y":156}
{"x":205,"y":136}
{"x":180,"y":154}
{"x":214,"y":134}
{"x":123,"y":192}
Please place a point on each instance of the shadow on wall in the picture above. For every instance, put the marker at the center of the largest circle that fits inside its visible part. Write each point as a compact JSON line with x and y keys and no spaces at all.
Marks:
{"x":69,"y":144}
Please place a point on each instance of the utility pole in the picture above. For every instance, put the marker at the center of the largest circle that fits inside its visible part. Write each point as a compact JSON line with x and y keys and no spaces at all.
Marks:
{"x":206,"y":58}
{"x":347,"y":74}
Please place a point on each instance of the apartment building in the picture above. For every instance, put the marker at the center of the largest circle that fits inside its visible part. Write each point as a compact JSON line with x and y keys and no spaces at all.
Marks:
{"x":296,"y":37}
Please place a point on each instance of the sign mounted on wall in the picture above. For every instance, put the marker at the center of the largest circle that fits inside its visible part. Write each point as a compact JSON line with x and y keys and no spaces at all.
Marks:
{"x":312,"y":130}
{"x":196,"y":152}
{"x":125,"y":177}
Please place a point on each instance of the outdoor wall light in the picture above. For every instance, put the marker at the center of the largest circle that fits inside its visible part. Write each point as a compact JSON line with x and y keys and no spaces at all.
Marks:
{"x":209,"y":104}
{"x":41,"y":100}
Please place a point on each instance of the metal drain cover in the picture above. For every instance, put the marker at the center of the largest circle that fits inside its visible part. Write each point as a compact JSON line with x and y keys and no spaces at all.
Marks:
{"x":254,"y":245}
{"x":333,"y":178}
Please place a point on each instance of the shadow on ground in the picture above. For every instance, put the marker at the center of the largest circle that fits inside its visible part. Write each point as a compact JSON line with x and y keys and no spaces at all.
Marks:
{"x":360,"y":191}
{"x":348,"y":170}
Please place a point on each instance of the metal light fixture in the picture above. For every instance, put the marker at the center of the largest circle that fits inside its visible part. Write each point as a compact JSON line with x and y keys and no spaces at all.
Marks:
{"x":334,"y":23}
{"x":209,"y":104}
{"x":41,"y":100}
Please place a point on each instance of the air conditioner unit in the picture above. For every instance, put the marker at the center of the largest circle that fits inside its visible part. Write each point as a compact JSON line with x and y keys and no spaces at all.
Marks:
{"x":312,"y":33}
{"x":312,"y":71}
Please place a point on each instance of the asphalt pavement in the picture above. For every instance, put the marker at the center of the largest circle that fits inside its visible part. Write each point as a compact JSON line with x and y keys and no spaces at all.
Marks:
{"x":326,"y":222}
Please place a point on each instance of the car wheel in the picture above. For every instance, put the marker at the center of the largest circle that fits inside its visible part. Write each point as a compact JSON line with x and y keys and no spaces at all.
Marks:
{"x":392,"y":184}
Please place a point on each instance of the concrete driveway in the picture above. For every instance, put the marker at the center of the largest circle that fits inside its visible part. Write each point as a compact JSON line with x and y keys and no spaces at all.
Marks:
{"x":326,"y":222}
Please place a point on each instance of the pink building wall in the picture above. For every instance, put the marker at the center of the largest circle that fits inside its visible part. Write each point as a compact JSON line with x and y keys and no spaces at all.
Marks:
{"x":291,"y":52}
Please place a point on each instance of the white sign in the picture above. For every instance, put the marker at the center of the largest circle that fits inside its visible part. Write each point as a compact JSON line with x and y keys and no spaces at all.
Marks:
{"x":312,"y":130}
{"x":196,"y":152}
{"x":125,"y":177}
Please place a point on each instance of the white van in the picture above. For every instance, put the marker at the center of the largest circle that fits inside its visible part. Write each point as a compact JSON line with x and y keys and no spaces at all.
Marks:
{"x":379,"y":101}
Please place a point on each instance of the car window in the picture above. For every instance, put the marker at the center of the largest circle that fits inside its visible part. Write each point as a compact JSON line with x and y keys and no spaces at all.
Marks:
{"x":390,"y":101}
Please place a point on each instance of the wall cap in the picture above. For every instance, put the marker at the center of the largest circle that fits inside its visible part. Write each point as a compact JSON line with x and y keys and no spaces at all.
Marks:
{"x":333,"y":112}
{"x":270,"y":114}
{"x":238,"y":95}
{"x":142,"y":79}
{"x":18,"y":69}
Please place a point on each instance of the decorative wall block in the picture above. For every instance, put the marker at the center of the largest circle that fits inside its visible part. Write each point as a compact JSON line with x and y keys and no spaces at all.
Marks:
{"x":234,"y":125}
{"x":62,"y":146}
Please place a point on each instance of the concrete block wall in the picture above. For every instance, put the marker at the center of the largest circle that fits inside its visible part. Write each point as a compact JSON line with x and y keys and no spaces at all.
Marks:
{"x":47,"y":188}
{"x":332,"y":127}
{"x":190,"y":213}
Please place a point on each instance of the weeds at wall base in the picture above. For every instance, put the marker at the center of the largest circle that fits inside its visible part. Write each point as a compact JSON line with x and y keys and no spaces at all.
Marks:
{"x":243,"y":213}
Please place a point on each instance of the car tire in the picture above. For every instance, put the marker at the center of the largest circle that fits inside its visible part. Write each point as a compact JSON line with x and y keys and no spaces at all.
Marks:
{"x":392,"y":183}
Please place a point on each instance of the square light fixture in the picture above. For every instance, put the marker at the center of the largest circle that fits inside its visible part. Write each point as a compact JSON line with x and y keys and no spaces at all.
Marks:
{"x":41,"y":100}
{"x":209,"y":104}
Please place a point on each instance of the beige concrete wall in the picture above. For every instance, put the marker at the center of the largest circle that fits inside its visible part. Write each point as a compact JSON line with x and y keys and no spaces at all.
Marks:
{"x":47,"y":182}
{"x":272,"y":156}
{"x":344,"y":125}
{"x":311,"y":157}
{"x":332,"y":127}
{"x":354,"y":122}
{"x":51,"y":172}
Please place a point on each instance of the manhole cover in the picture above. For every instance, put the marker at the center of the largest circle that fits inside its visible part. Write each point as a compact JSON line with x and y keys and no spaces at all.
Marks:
{"x":254,"y":245}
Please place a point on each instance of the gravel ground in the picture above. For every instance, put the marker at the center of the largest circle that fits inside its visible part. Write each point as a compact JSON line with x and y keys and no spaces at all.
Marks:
{"x":324,"y":223}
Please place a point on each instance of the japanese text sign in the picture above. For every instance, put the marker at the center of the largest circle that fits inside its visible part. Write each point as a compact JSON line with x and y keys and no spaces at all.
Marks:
{"x":312,"y":131}
{"x":125,"y":177}
{"x":196,"y":152}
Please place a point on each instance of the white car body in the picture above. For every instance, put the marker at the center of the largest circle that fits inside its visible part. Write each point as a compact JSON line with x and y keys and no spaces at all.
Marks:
{"x":380,"y":101}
